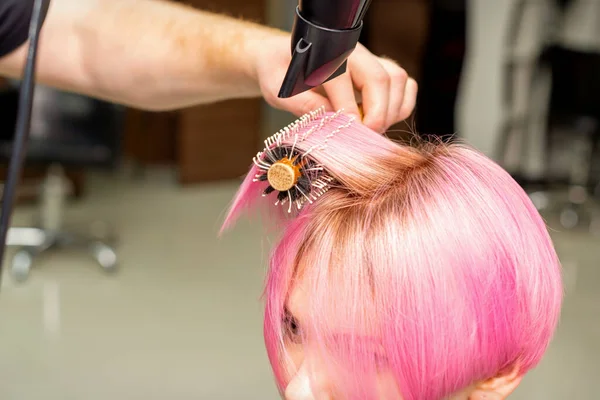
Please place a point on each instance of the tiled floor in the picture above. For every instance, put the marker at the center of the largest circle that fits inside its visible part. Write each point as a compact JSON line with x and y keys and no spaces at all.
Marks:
{"x":182,"y":318}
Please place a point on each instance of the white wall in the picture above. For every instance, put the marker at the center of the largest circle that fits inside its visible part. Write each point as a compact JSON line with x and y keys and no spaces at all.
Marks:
{"x":479,"y":103}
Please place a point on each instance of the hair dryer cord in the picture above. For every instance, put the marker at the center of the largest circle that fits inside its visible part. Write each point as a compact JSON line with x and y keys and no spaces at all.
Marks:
{"x":23,"y":125}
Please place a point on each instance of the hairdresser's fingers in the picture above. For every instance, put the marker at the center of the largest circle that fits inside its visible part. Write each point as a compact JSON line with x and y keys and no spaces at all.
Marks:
{"x":410,"y":99}
{"x":303,"y":103}
{"x":398,"y":82}
{"x":297,"y":105}
{"x":340,"y":92}
{"x":373,"y":82}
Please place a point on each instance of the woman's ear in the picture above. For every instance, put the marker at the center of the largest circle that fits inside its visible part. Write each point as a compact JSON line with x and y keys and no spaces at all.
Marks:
{"x":498,"y":387}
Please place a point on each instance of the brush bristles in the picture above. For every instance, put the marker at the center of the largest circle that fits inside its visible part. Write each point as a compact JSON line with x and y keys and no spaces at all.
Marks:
{"x":314,"y":181}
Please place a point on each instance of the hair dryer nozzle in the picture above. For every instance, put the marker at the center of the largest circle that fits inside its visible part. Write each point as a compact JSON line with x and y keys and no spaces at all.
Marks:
{"x":319,"y":54}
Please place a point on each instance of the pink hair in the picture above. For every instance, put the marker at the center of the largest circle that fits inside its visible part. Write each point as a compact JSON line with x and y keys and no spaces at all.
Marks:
{"x":432,"y":254}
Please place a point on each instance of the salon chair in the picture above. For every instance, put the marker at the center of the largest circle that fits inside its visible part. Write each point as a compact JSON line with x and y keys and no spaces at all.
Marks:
{"x":67,"y":130}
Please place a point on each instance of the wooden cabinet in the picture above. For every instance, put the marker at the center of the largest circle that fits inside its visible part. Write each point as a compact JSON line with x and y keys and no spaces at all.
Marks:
{"x":218,"y":141}
{"x":399,"y":29}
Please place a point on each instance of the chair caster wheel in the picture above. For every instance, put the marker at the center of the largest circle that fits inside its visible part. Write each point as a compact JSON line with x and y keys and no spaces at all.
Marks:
{"x":21,"y":265}
{"x":105,"y":256}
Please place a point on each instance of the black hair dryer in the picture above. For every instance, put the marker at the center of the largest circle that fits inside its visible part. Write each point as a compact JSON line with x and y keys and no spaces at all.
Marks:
{"x":324,"y":35}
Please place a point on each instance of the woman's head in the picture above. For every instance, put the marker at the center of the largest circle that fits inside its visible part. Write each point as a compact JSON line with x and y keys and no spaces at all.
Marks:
{"x":424,"y":273}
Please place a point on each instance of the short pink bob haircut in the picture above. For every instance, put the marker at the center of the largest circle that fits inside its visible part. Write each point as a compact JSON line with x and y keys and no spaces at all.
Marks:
{"x":434,"y":250}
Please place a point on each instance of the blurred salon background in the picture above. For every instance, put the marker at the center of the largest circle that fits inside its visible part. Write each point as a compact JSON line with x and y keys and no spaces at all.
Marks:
{"x":116,"y":285}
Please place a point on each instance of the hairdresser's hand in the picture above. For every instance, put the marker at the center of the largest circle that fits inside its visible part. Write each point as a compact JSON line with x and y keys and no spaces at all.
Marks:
{"x":387,"y":93}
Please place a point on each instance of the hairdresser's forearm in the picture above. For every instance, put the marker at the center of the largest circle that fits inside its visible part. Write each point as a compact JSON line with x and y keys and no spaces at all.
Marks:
{"x":146,"y":53}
